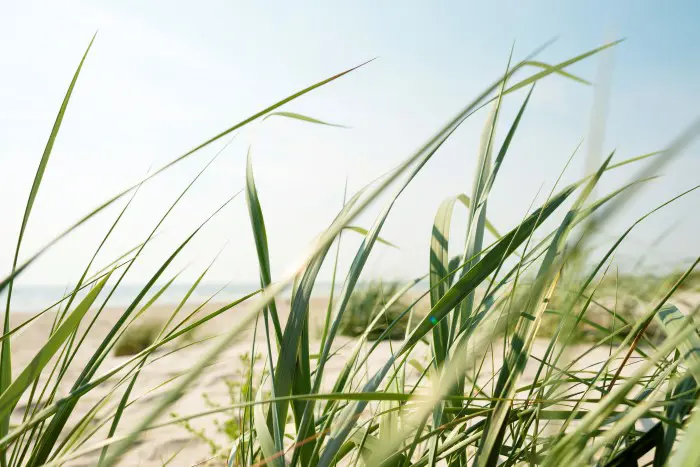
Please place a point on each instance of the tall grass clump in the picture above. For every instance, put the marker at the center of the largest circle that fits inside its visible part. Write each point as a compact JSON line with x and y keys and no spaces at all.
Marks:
{"x":369,"y":301}
{"x":136,"y":338}
{"x":492,"y":391}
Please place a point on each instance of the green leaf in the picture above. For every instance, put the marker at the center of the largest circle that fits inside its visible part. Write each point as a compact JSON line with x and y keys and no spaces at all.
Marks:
{"x":466,"y":201}
{"x":682,"y":393}
{"x":526,"y":328}
{"x":301,"y":117}
{"x":439,"y":272}
{"x":277,"y":412}
{"x":52,"y":432}
{"x":560,"y":66}
{"x":364,"y":232}
{"x":688,"y":452}
{"x":463,"y":287}
{"x":674,"y":320}
{"x":12,"y":394}
{"x":5,"y":352}
{"x":257,"y":222}
{"x":7,"y":280}
{"x":561,"y":72}
{"x":267,"y":444}
{"x":123,"y":402}
{"x":480,"y":271}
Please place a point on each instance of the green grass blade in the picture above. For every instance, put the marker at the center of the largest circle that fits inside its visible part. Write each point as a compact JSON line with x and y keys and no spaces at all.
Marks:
{"x":277,"y":412}
{"x":5,"y":360}
{"x":466,"y":284}
{"x":466,"y":201}
{"x":526,"y":329}
{"x":463,"y":287}
{"x":364,"y":232}
{"x":570,"y":447}
{"x":416,"y":161}
{"x":673,"y":321}
{"x":561,"y":72}
{"x":439,"y":272}
{"x":4,"y":283}
{"x":303,"y":118}
{"x":290,"y":369}
{"x":79,"y":391}
{"x":11,"y":395}
{"x":50,"y":437}
{"x":260,"y":235}
{"x":688,"y":452}
{"x":331,"y":297}
{"x":560,"y":66}
{"x":474,"y":237}
{"x":504,"y":150}
{"x":268,"y":445}
{"x":682,"y":394}
{"x":123,"y":402}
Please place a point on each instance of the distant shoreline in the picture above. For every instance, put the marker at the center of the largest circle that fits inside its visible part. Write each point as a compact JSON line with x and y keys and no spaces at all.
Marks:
{"x":35,"y":298}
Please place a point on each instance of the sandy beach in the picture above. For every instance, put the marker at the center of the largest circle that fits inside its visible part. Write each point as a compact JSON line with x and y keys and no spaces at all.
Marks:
{"x":157,"y":446}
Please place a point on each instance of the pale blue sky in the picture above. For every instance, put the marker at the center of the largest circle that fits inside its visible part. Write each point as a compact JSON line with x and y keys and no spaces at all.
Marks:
{"x":164,"y":76}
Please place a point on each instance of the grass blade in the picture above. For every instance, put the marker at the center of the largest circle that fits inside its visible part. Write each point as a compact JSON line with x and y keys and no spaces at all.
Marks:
{"x":5,"y":361}
{"x":11,"y":395}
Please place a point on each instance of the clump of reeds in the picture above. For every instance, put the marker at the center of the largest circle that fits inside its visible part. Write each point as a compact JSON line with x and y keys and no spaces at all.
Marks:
{"x":469,"y":406}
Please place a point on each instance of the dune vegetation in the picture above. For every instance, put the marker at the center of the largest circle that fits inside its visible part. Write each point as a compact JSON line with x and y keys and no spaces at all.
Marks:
{"x":488,"y":373}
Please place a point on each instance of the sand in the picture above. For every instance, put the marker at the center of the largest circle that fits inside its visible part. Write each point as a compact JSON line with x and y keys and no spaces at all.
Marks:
{"x":157,"y":446}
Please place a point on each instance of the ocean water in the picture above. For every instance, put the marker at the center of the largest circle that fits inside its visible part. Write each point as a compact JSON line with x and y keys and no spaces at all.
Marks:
{"x":34,"y":298}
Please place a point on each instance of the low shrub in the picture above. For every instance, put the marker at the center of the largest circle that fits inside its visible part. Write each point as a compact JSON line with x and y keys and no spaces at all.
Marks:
{"x":137,"y":337}
{"x":369,"y":301}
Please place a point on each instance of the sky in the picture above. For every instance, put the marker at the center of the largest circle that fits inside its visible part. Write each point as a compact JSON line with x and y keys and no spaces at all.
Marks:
{"x":163,"y":77}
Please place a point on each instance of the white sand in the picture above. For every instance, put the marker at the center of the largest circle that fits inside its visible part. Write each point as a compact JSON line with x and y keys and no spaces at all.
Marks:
{"x":158,"y":445}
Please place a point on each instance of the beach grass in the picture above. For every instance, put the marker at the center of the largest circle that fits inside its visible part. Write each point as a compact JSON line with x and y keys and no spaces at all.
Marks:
{"x":453,"y":388}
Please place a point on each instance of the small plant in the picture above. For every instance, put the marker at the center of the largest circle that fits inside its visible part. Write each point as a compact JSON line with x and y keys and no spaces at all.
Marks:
{"x":364,"y":306}
{"x":239,"y":390}
{"x":136,"y":338}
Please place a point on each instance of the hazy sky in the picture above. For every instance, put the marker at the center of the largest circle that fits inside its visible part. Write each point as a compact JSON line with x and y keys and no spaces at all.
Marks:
{"x":164,"y":76}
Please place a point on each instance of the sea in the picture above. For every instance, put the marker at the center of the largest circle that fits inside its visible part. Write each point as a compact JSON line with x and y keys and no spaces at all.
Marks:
{"x":35,"y":298}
